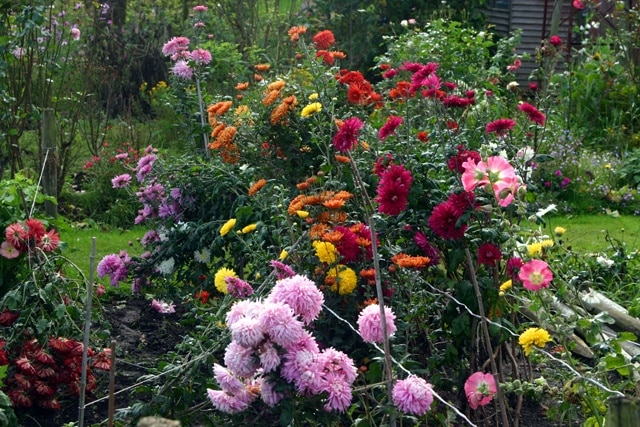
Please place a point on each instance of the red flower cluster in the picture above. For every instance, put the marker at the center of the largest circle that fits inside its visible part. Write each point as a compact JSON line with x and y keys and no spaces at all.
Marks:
{"x":324,"y":39}
{"x":41,"y":376}
{"x":21,"y":237}
{"x":359,"y":90}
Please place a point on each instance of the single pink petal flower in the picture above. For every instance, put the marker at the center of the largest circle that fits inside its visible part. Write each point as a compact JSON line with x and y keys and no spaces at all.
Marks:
{"x":535,"y":275}
{"x":480,"y":389}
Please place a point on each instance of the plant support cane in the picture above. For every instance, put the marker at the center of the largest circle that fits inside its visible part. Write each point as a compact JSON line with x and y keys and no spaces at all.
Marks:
{"x":87,"y":329}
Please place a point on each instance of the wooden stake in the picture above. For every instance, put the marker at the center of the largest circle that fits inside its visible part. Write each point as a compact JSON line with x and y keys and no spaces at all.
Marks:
{"x":623,"y":412}
{"x":87,"y":330}
{"x":112,"y":384}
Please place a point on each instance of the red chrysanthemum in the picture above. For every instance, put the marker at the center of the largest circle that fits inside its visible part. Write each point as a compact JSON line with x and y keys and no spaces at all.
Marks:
{"x":324,"y":39}
{"x":454,"y":101}
{"x":443,"y":221}
{"x":513,"y":268}
{"x":389,"y":127}
{"x":500,"y":126}
{"x":347,"y":135}
{"x":489,"y":254}
{"x":35,"y":229}
{"x":461,"y":202}
{"x":382,"y":163}
{"x":8,"y":317}
{"x":455,"y":162}
{"x":49,"y":241}
{"x":347,"y":246}
{"x":393,"y":190}
{"x":16,"y":235}
{"x":533,"y":113}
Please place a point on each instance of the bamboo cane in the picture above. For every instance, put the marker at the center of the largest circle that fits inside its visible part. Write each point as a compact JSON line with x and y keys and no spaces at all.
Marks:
{"x":87,"y":329}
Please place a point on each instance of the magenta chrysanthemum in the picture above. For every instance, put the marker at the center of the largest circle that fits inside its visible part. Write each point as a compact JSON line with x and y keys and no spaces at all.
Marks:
{"x":443,"y":221}
{"x":533,"y":113}
{"x":412,"y":395}
{"x":370,"y":323}
{"x":347,"y":135}
{"x":389,"y":127}
{"x":455,"y":162}
{"x":301,"y":294}
{"x":489,"y":254}
{"x":393,"y":190}
{"x":500,"y":126}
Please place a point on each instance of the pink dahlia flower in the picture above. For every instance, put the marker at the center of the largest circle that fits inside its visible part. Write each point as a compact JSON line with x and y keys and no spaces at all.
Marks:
{"x":370,"y":323}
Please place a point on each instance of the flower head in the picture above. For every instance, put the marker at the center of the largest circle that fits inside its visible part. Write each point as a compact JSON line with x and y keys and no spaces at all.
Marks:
{"x":412,"y":395}
{"x":347,"y":135}
{"x":559,"y":231}
{"x":163,"y":307}
{"x":220,"y":279}
{"x":533,"y":337}
{"x":324,"y":39}
{"x":49,"y":241}
{"x":342,"y":279}
{"x":489,"y":254}
{"x":311,"y":109}
{"x":325,"y":251}
{"x":389,"y":127}
{"x":301,"y":294}
{"x":393,"y":190}
{"x":121,"y":181}
{"x":227,"y":226}
{"x":237,"y":287}
{"x":555,"y":41}
{"x":444,"y":222}
{"x":182,"y":69}
{"x":370,"y":323}
{"x":535,"y":275}
{"x":533,"y":113}
{"x":480,"y":389}
{"x":500,"y":126}
{"x":8,"y":251}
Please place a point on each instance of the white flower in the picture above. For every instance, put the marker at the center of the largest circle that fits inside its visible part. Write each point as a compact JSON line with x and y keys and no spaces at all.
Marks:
{"x":404,"y":23}
{"x":512,"y":85}
{"x":604,"y":261}
{"x":166,"y":266}
{"x":543,"y":212}
{"x":203,"y":256}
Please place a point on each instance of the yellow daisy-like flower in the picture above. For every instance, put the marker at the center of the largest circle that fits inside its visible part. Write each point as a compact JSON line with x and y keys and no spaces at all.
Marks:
{"x":547,"y":243}
{"x":283,"y":255}
{"x":533,"y":337}
{"x":227,"y":226}
{"x":219,"y":281}
{"x":326,"y":251}
{"x":249,"y":228}
{"x":313,"y":96}
{"x":311,"y":109}
{"x":535,"y":249}
{"x":559,"y":231}
{"x":302,"y":214}
{"x":343,"y":279}
{"x":506,"y":286}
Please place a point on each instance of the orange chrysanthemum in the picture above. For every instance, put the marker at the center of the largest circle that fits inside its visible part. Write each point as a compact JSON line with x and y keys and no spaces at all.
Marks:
{"x":333,"y":237}
{"x":338,"y":54}
{"x":368,"y":274}
{"x":318,"y":230}
{"x":295,"y":33}
{"x":227,"y":134}
{"x":279,"y":113}
{"x":216,"y":130}
{"x":257,"y":186}
{"x":408,"y":261}
{"x":332,"y":217}
{"x":297,"y":204}
{"x":343,"y":195}
{"x":219,"y":108}
{"x":370,"y":301}
{"x":291,"y":100}
{"x":271,"y":97}
{"x":242,"y":86}
{"x":342,"y":159}
{"x":333,"y":203}
{"x":257,"y":77}
{"x":277,"y":85}
{"x":230,"y":154}
{"x":262,"y":67}
{"x":302,"y":186}
{"x":311,"y":180}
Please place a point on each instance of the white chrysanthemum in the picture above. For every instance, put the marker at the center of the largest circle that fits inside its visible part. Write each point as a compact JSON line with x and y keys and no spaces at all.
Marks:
{"x":166,"y":266}
{"x":203,"y":256}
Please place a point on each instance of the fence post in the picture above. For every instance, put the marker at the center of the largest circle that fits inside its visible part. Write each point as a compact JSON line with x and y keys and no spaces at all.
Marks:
{"x":50,"y":159}
{"x":623,"y":412}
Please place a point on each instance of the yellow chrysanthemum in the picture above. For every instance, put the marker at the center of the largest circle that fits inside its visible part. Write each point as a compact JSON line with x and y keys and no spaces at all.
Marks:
{"x":535,"y":249}
{"x":311,"y":109}
{"x":559,"y":231}
{"x":547,"y":243}
{"x":313,"y":96}
{"x":249,"y":228}
{"x":533,"y":337}
{"x":302,"y":214}
{"x":219,"y":279}
{"x":343,"y":279}
{"x":227,"y":226}
{"x":506,"y":286}
{"x":283,"y":255}
{"x":326,"y":251}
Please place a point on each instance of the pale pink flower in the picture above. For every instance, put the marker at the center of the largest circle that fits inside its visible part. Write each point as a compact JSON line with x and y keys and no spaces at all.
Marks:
{"x":332,"y":360}
{"x":200,"y":8}
{"x":201,"y":56}
{"x":339,"y":393}
{"x":535,"y":275}
{"x":506,"y":189}
{"x":412,"y":395}
{"x":8,"y":251}
{"x":269,"y":357}
{"x":301,"y":294}
{"x":226,"y":380}
{"x":474,"y":175}
{"x":480,"y":389}
{"x":163,"y":307}
{"x":268,"y":394}
{"x":370,"y":323}
{"x":226,"y":402}
{"x":75,"y":33}
{"x":247,"y":332}
{"x":182,"y":69}
{"x":239,"y":360}
{"x":175,"y":45}
{"x":121,"y":181}
{"x":279,"y":322}
{"x":241,"y":309}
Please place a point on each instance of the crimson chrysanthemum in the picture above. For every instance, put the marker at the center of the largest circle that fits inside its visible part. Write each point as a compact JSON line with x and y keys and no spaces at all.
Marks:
{"x":347,"y":246}
{"x":389,"y":127}
{"x":393,"y":190}
{"x":533,"y":113}
{"x":347,"y":135}
{"x":461,"y":202}
{"x":489,"y":254}
{"x":324,"y":39}
{"x":443,"y":221}
{"x":500,"y":126}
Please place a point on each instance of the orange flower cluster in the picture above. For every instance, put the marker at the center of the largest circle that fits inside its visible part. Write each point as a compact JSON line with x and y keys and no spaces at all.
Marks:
{"x":403,"y":260}
{"x":296,"y":32}
{"x":281,"y":110}
{"x":401,"y":91}
{"x":257,"y":186}
{"x":222,"y":135}
{"x":359,"y":90}
{"x":329,"y":56}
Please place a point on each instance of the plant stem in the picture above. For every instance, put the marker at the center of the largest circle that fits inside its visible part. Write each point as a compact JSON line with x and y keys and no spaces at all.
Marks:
{"x":487,"y":337}
{"x":205,"y":136}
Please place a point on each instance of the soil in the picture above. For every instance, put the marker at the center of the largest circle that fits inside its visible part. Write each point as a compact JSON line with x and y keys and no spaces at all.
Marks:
{"x":143,"y":335}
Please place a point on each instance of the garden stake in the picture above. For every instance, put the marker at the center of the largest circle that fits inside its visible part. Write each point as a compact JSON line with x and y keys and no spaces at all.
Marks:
{"x":487,"y":337}
{"x":112,"y":383}
{"x":87,"y":328}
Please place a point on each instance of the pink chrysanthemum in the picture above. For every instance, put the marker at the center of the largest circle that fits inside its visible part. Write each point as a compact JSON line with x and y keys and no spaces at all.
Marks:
{"x":240,"y":360}
{"x":535,"y":275}
{"x":237,"y":287}
{"x":268,"y":393}
{"x":182,"y":69}
{"x":144,"y":166}
{"x":35,"y":229}
{"x":226,"y":380}
{"x":339,"y":393}
{"x":480,"y":389}
{"x":533,"y":113}
{"x":201,"y":56}
{"x":269,"y":357}
{"x":301,"y":294}
{"x":114,"y":266}
{"x":299,"y":368}
{"x":443,"y":221}
{"x":241,"y":309}
{"x":279,"y":322}
{"x":282,"y":270}
{"x":121,"y":181}
{"x":500,"y":126}
{"x":393,"y":190}
{"x":228,"y":403}
{"x":412,"y":395}
{"x":175,"y":45}
{"x":370,"y":323}
{"x":247,"y":332}
{"x":389,"y":127}
{"x":347,"y":135}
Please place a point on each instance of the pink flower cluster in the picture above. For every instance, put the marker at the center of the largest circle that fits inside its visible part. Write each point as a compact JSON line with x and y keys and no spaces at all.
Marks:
{"x":370,"y":323}
{"x":178,"y":50}
{"x":27,"y":236}
{"x":497,"y":173}
{"x":115,"y":266}
{"x":269,"y":336}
